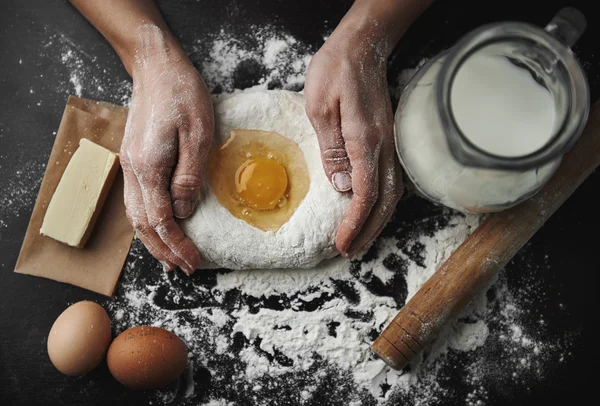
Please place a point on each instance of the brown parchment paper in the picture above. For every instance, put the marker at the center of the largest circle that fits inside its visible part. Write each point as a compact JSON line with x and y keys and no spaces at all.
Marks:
{"x":97,"y":266}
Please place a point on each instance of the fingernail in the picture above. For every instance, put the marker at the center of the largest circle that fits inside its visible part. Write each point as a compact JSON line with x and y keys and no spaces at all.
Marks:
{"x":182,"y":208}
{"x":342,"y":181}
{"x":342,"y":250}
{"x":188,"y":271}
{"x":355,"y":251}
{"x":351,"y":254}
{"x":166,"y":267}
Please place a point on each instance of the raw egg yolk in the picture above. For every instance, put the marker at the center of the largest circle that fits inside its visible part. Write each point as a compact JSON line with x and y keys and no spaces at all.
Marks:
{"x":260,"y":177}
{"x":261,"y":183}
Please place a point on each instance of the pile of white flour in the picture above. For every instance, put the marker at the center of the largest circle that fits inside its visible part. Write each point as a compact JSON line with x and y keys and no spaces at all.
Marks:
{"x":302,"y":337}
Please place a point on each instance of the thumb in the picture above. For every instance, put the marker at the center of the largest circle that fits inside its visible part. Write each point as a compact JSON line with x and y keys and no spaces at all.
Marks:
{"x":326,"y":122}
{"x":187,"y":176}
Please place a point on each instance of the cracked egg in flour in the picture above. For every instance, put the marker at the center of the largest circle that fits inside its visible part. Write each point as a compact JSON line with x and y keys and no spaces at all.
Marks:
{"x":259,"y":176}
{"x":266,"y":201}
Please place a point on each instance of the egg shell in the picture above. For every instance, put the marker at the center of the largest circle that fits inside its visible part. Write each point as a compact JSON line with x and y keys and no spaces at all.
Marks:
{"x":146,"y":357}
{"x":79,"y":338}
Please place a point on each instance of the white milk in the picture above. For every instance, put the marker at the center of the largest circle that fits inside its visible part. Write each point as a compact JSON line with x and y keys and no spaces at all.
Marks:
{"x":501,"y":109}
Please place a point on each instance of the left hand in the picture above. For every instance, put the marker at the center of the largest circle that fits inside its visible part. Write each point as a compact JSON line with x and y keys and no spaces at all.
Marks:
{"x":167,"y":137}
{"x":348,"y":104}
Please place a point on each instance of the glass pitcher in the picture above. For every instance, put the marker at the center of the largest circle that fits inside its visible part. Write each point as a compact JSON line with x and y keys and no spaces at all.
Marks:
{"x":483,"y":126}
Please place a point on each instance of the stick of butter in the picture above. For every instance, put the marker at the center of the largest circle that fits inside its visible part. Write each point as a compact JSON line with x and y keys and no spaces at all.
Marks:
{"x":80,"y":194}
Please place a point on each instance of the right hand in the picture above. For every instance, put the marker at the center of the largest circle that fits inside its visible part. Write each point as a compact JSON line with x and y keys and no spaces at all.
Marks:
{"x":348,"y":104}
{"x":168,"y":135}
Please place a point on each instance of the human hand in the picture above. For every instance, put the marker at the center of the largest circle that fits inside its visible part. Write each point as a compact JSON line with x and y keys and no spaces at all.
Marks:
{"x":167,"y":137}
{"x":348,"y":104}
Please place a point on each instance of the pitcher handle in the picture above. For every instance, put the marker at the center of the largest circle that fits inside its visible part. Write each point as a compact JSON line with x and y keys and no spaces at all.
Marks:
{"x":567,"y":26}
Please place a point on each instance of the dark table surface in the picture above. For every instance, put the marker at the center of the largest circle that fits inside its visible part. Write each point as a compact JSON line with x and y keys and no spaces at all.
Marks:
{"x":33,"y":88}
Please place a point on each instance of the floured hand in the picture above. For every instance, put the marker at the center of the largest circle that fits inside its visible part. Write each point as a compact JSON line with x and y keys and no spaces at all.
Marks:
{"x":348,"y":104}
{"x":168,"y":134}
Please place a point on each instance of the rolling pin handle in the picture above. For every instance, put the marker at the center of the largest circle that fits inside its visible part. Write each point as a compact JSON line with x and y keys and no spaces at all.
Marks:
{"x":384,"y":350}
{"x":397,"y":345}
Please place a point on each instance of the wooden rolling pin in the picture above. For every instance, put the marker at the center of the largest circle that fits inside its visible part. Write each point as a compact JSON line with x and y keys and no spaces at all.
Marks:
{"x":473,"y":265}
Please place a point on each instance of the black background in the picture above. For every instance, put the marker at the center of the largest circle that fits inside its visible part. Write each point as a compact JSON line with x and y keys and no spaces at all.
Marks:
{"x":28,"y":306}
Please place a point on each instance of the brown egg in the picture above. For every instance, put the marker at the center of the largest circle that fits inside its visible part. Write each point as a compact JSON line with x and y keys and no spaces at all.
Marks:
{"x":79,"y":338}
{"x":145,"y":357}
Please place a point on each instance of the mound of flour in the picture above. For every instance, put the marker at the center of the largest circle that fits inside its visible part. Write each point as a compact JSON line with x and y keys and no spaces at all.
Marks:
{"x":308,"y":236}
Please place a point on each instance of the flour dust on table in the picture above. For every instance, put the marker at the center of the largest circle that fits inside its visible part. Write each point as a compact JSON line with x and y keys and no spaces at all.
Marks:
{"x":84,"y":74}
{"x":264,"y":57}
{"x":18,"y":193}
{"x":302,"y":337}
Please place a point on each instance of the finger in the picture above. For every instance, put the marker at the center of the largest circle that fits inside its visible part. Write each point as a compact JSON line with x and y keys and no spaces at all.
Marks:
{"x":137,"y":211}
{"x":187,"y":176}
{"x":364,"y":159}
{"x":325,"y":119}
{"x":136,"y":215}
{"x":390,"y":192}
{"x":154,"y":184}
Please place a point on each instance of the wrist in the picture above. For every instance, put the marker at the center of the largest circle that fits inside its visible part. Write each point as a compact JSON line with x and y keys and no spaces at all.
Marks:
{"x":152,"y":46}
{"x":382,"y":22}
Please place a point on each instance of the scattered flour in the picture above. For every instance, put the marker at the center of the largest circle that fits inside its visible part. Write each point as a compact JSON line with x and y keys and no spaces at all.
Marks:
{"x":252,"y":332}
{"x":19,"y":191}
{"x":268,"y":59}
{"x":86,"y":76}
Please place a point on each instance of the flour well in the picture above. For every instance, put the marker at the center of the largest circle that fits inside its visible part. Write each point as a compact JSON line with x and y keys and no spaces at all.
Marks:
{"x":309,"y":235}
